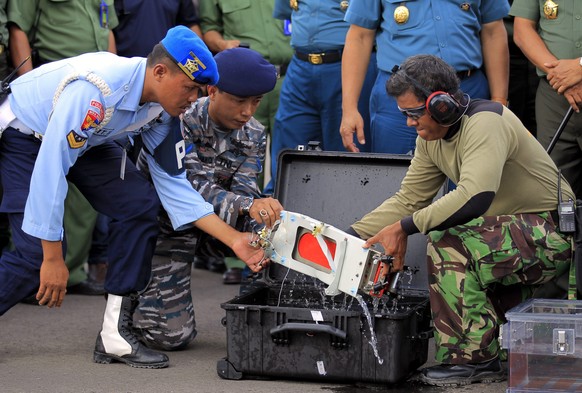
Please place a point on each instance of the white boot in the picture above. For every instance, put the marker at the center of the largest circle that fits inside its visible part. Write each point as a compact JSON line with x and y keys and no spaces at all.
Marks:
{"x":116,"y":340}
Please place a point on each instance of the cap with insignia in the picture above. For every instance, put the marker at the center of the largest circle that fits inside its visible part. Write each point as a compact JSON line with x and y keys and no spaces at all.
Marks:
{"x":191,"y":55}
{"x":244,"y":72}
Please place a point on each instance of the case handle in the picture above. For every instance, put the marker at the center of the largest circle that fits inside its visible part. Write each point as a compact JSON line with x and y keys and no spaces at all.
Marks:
{"x":308,"y":327}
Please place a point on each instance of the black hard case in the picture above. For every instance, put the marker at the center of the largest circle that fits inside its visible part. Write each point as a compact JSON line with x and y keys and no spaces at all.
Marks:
{"x":271,"y":330}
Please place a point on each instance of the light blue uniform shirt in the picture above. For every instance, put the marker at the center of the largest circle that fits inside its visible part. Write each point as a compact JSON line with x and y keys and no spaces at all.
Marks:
{"x":318,"y":25}
{"x":449,"y":29}
{"x":72,"y":127}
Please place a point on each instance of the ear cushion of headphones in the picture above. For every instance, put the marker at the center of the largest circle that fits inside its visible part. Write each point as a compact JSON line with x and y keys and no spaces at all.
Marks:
{"x":443,"y":108}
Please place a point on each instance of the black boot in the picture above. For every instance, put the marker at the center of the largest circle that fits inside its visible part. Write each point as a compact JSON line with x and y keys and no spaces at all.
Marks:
{"x":463,"y":374}
{"x":116,"y":340}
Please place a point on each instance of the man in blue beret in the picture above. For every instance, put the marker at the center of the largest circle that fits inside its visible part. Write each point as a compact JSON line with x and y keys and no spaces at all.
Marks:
{"x":226,"y":147}
{"x":68,"y":120}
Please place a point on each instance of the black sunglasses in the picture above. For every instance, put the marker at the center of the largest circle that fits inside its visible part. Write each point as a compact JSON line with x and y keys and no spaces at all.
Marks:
{"x":413,"y":113}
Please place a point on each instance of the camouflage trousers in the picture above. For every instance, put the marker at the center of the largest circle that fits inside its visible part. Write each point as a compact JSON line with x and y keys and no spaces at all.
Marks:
{"x":164,"y":317}
{"x":479,"y":270}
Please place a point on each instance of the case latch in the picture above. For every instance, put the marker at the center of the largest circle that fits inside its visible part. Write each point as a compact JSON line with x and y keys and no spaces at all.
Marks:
{"x":563,"y":341}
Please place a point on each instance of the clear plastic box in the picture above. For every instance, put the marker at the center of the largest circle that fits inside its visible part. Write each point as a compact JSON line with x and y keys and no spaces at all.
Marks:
{"x":544,"y":340}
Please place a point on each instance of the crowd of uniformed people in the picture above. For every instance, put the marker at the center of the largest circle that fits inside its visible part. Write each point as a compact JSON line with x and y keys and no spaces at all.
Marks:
{"x":94,"y":165}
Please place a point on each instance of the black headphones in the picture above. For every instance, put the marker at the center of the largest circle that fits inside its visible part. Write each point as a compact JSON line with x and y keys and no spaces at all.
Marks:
{"x":440,"y":105}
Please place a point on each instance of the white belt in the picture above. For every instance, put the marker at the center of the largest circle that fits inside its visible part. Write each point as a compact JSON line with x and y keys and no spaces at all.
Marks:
{"x":20,"y":126}
{"x":8,"y":119}
{"x":6,"y":115}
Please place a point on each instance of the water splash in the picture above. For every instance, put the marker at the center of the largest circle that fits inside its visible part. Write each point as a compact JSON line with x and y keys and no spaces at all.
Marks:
{"x":281,"y":290}
{"x":375,"y":304}
{"x":373,"y":340}
{"x":394,"y":305}
{"x":409,"y":273}
{"x":351,"y":302}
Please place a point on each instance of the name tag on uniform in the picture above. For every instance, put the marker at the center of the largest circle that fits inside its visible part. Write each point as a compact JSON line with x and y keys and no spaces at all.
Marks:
{"x":287,"y":27}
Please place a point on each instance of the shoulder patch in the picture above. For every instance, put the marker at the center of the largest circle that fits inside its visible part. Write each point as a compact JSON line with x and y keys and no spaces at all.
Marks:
{"x":92,"y":120}
{"x":98,"y":106}
{"x":75,"y":140}
{"x":94,"y":116}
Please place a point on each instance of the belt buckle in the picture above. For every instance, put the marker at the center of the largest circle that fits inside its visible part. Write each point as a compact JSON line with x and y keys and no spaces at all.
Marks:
{"x":2,"y":47}
{"x":315,"y":58}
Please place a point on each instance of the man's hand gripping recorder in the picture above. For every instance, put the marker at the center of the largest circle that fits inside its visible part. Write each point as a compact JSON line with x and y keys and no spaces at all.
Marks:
{"x":336,"y":258}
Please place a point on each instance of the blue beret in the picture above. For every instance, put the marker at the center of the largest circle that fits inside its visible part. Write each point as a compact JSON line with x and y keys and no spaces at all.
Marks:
{"x":191,"y":55}
{"x":244,"y":72}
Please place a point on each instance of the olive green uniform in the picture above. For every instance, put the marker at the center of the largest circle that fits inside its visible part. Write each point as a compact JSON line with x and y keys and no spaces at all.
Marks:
{"x":562,"y":36}
{"x":64,"y":28}
{"x":252,"y":22}
{"x":4,"y":70}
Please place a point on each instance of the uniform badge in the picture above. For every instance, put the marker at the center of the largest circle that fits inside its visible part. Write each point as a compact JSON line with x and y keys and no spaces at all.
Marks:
{"x":294,"y":4}
{"x":550,"y":9}
{"x":465,"y":6}
{"x":192,"y":65}
{"x":93,"y":117}
{"x":401,"y":14}
{"x":75,"y":140}
{"x":287,"y":27}
{"x":344,"y":5}
{"x":92,"y":120}
{"x":98,"y":106}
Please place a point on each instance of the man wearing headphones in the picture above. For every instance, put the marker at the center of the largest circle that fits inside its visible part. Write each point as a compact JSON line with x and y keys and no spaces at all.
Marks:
{"x":494,"y":240}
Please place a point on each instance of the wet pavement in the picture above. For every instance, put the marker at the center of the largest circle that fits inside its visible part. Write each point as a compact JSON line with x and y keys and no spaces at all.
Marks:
{"x":50,"y":351}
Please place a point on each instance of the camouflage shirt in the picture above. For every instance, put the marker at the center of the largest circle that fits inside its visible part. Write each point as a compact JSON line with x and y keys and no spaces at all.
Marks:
{"x":223,"y":164}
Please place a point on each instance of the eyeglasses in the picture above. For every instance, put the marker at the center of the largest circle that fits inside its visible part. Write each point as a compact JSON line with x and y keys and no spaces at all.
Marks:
{"x":413,"y":113}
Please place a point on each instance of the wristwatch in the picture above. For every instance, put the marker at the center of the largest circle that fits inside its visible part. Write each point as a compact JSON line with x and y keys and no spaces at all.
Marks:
{"x":245,"y":205}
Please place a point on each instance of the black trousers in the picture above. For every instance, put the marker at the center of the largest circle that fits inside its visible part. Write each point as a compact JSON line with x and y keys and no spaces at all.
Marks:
{"x":132,"y":204}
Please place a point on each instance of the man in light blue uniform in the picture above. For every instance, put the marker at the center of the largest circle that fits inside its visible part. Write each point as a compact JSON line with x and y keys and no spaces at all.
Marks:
{"x":310,"y":100}
{"x":62,"y":121}
{"x":469,"y":35}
